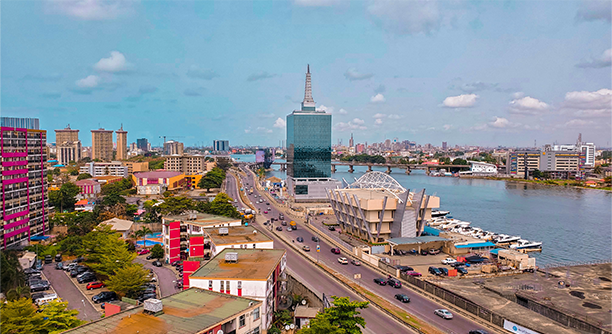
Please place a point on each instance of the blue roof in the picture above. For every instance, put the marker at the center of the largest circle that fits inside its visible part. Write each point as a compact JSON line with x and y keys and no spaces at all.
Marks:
{"x":477,"y":245}
{"x":431,"y":230}
{"x":494,"y":251}
{"x":39,"y":237}
{"x":51,"y":160}
{"x":58,"y":165}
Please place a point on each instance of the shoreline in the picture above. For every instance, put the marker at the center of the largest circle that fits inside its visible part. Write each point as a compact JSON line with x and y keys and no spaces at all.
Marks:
{"x":523,"y":181}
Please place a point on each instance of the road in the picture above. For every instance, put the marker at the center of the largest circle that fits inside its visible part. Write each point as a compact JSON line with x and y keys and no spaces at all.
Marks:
{"x":419,"y":305}
{"x":165,"y":276}
{"x":65,"y":289}
{"x":376,"y":321}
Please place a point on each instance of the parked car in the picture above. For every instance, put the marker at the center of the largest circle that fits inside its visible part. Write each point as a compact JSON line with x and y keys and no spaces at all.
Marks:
{"x":445,"y":314}
{"x":85,"y":273}
{"x":404,"y":268}
{"x":435,"y":271}
{"x":268,"y":203}
{"x":449,"y":261}
{"x":281,"y":216}
{"x":39,"y":287}
{"x":475,"y":259}
{"x":394,"y":283}
{"x":29,"y":271}
{"x":335,"y":250}
{"x":306,"y":248}
{"x":266,"y":211}
{"x":147,"y":296}
{"x":289,"y":229}
{"x":77,"y":270}
{"x":149,"y":291}
{"x":37,"y":295}
{"x":457,"y":264}
{"x":402,"y":298}
{"x":299,"y":239}
{"x":284,"y":223}
{"x":47,"y":297}
{"x":478,"y":331}
{"x":424,"y":252}
{"x":444,"y":271}
{"x":59,"y":266}
{"x":279,"y":228}
{"x":34,"y":277}
{"x":143,"y":251}
{"x":79,"y":259}
{"x":104,"y":296}
{"x":462,"y":270}
{"x":413,"y":273}
{"x":150,"y":257}
{"x":176,"y":263}
{"x":331,"y":228}
{"x":70,"y":266}
{"x":48,"y":259}
{"x":86,"y":279}
{"x":356,"y":262}
{"x":315,"y":239}
{"x":94,"y":285}
{"x":343,"y":260}
{"x":157,"y":263}
{"x":434,"y":251}
{"x":179,"y":267}
{"x":58,"y":257}
{"x":380,"y":281}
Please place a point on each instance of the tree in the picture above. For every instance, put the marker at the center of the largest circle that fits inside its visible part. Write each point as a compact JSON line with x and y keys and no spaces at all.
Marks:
{"x":18,"y":293}
{"x":143,"y":233}
{"x":207,"y":183}
{"x":65,"y":197}
{"x":128,"y":281}
{"x":342,"y":318}
{"x":49,"y":178}
{"x":130,"y":210}
{"x":84,"y":176}
{"x":536,"y":174}
{"x":57,"y":171}
{"x":157,"y":252}
{"x":459,"y":161}
{"x":106,"y":253}
{"x":176,"y":205}
{"x":597,"y":170}
{"x":20,"y":316}
{"x":11,"y":275}
{"x":220,"y":206}
{"x":58,"y":318}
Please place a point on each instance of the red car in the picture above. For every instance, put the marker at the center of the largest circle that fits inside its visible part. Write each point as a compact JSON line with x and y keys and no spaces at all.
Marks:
{"x":143,"y":251}
{"x":413,"y":273}
{"x":95,"y":285}
{"x":335,"y":250}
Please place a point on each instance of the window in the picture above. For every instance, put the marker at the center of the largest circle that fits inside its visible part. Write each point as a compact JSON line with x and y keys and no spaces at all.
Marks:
{"x":301,"y":189}
{"x":256,"y":314}
{"x":239,"y":285}
{"x":227,"y":286}
{"x":210,"y":285}
{"x":255,"y":330}
{"x":242,"y":321}
{"x":254,"y":245}
{"x":221,"y":287}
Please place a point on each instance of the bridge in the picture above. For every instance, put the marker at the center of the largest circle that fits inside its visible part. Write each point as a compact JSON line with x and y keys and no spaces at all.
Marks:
{"x":390,"y":166}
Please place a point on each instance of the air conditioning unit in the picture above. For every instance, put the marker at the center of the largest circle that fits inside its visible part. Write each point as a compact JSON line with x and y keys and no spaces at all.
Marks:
{"x":153,"y":305}
{"x":231,"y":257}
{"x":223,"y":231}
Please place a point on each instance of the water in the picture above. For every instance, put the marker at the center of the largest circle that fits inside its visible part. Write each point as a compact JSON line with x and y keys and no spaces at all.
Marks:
{"x":575,"y":225}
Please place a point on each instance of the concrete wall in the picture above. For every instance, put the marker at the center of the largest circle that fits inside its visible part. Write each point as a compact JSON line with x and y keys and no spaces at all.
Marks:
{"x":295,"y":287}
{"x":154,"y":227}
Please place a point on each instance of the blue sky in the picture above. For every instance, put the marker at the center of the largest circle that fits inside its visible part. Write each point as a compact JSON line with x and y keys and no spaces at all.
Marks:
{"x":465,"y":72}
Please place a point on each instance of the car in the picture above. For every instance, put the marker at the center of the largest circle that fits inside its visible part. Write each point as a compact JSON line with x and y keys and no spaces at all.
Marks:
{"x":402,"y":298}
{"x":279,"y":228}
{"x":147,"y":296}
{"x":48,"y":259}
{"x":85,"y":273}
{"x":444,"y":271}
{"x":331,"y":228}
{"x":149,"y":291}
{"x":269,"y":209}
{"x":475,"y":259}
{"x":157,"y":263}
{"x":58,"y":257}
{"x":37,"y":295}
{"x":29,"y":271}
{"x":289,"y":229}
{"x":299,"y":239}
{"x":59,"y":266}
{"x":404,"y":268}
{"x":38,"y":265}
{"x":284,"y":223}
{"x":268,"y":203}
{"x":266,"y":211}
{"x":449,"y":261}
{"x":335,"y":250}
{"x":394,"y":282}
{"x":413,"y":273}
{"x":478,"y":331}
{"x":306,"y":248}
{"x":86,"y":279}
{"x":281,"y":216}
{"x":457,"y":264}
{"x":435,"y":271}
{"x":179,"y":267}
{"x":94,"y":285}
{"x":343,"y":260}
{"x":39,"y":287}
{"x":176,"y":263}
{"x":143,"y":251}
{"x":462,"y":270}
{"x":45,"y":299}
{"x":104,"y":296}
{"x":380,"y":281}
{"x":424,"y":252}
{"x":70,"y":266}
{"x":150,"y":257}
{"x":434,"y":251}
{"x":315,"y":239}
{"x":445,"y":314}
{"x":356,"y":262}
{"x":79,"y":259}
{"x":78,"y":270}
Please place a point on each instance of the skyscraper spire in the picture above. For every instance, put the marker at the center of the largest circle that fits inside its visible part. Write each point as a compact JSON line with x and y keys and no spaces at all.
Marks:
{"x":308,"y":104}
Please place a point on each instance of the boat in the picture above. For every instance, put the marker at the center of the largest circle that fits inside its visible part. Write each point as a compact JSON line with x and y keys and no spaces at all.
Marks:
{"x":526,"y":244}
{"x":439,"y":213}
{"x":506,"y":239}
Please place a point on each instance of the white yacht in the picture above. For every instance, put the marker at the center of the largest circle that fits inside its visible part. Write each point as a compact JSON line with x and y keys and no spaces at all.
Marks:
{"x":439,"y":213}
{"x":523,"y":244}
{"x":506,"y":239}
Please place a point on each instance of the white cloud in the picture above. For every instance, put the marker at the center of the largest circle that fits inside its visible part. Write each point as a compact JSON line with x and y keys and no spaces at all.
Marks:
{"x":92,"y":9}
{"x":279,"y":123}
{"x":594,"y":10}
{"x":578,"y":123}
{"x":605,"y":60}
{"x":447,"y":127}
{"x":500,"y":122}
{"x":352,"y":74}
{"x":315,"y":3}
{"x":259,"y":129}
{"x":461,"y":101}
{"x":358,"y":121}
{"x":518,"y":95}
{"x":115,"y":63}
{"x":91,"y":81}
{"x":355,"y":124}
{"x":406,"y":17}
{"x":378,"y":121}
{"x":527,"y":105}
{"x":601,"y":99}
{"x":395,"y":116}
{"x":326,"y":109}
{"x":342,"y":112}
{"x":379,"y":115}
{"x":378,"y":98}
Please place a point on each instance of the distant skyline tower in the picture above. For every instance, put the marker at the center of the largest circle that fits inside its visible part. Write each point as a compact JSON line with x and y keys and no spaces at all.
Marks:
{"x":351,"y":141}
{"x":102,"y":144}
{"x":121,"y":144}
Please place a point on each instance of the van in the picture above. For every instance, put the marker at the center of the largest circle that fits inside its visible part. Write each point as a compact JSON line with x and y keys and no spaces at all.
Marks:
{"x":46,"y":298}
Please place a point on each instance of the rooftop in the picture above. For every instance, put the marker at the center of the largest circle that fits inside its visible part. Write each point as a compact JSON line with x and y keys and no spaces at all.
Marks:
{"x":476,"y":245}
{"x":253,"y":264}
{"x":237,"y":235}
{"x":191,"y":311}
{"x":118,"y":224}
{"x":201,"y":219}
{"x":156,"y":175}
{"x":415,"y":240}
{"x":86,"y":182}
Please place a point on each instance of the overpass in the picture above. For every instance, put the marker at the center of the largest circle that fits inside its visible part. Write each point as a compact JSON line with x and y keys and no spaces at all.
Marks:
{"x":390,"y":166}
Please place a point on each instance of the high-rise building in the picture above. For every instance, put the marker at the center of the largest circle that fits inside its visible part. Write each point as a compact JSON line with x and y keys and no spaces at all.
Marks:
{"x":221,"y":145}
{"x":351,"y":142}
{"x":142,"y":144}
{"x":444,"y":145}
{"x":68,"y":146}
{"x":121,"y":144}
{"x":172,"y":147}
{"x":25,"y":205}
{"x":188,"y":164}
{"x":102,"y":144}
{"x":309,"y":150}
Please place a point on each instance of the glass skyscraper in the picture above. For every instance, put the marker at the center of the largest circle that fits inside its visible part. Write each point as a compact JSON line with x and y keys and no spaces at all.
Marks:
{"x":309,"y":139}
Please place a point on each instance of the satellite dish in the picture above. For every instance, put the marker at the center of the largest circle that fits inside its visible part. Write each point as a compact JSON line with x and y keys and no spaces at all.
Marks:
{"x":287,"y":327}
{"x":220,"y":331}
{"x":303,"y":301}
{"x":292,"y":326}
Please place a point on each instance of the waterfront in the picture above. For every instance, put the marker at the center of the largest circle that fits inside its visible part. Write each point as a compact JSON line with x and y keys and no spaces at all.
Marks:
{"x":574,"y":224}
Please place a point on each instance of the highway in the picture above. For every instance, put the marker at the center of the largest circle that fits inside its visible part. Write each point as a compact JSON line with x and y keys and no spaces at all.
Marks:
{"x":377,"y":322}
{"x":419,"y":305}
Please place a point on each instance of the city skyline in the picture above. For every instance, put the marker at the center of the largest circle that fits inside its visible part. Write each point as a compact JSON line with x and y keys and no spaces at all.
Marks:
{"x":466,"y":73}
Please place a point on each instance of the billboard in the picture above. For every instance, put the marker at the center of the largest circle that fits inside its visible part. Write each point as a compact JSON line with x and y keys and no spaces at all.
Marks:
{"x":259,"y":156}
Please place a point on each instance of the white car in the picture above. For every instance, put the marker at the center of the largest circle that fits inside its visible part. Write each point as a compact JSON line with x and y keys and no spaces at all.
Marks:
{"x":449,"y":260}
{"x":342,"y":260}
{"x":444,"y":314}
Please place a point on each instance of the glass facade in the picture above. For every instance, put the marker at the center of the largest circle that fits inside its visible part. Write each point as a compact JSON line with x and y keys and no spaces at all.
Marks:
{"x":309,"y":144}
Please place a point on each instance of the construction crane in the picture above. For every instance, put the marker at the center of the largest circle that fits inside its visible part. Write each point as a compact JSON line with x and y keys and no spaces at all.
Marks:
{"x":170,"y":137}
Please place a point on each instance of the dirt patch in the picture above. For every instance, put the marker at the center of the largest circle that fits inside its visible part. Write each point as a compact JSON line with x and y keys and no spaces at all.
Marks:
{"x":577,"y":294}
{"x":141,"y":323}
{"x":591,"y":305}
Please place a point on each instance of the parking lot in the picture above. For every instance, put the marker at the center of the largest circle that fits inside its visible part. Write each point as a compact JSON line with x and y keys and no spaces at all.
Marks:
{"x":68,"y":291}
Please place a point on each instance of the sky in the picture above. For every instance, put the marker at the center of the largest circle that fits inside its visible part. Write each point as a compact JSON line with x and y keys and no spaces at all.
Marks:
{"x":488,"y":73}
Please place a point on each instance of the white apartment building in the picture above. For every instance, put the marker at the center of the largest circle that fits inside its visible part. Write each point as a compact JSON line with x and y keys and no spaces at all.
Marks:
{"x":114,"y":168}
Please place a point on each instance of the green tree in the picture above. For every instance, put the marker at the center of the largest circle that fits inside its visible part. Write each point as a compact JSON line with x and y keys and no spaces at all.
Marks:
{"x":597,"y":169}
{"x":207,"y":183}
{"x":536,"y":174}
{"x":20,"y":316}
{"x":176,"y":205}
{"x":105,"y":252}
{"x":128,"y":281}
{"x":220,"y":206}
{"x":49,"y":178}
{"x":18,"y":293}
{"x":11,"y":275}
{"x":72,"y":245}
{"x":142,"y":233}
{"x":459,"y":161}
{"x":157,"y":252}
{"x":65,"y":197}
{"x":58,"y":318}
{"x":342,"y":318}
{"x":84,"y":176}
{"x":131,"y":209}
{"x":57,"y":171}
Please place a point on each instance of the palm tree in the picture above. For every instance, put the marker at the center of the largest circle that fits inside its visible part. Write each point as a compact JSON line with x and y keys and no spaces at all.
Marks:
{"x":143,"y":233}
{"x":18,"y":293}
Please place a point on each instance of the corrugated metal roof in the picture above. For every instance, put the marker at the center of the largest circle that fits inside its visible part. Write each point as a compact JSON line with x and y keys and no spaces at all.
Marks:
{"x":431,"y":230}
{"x":476,"y":245}
{"x":253,"y":264}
